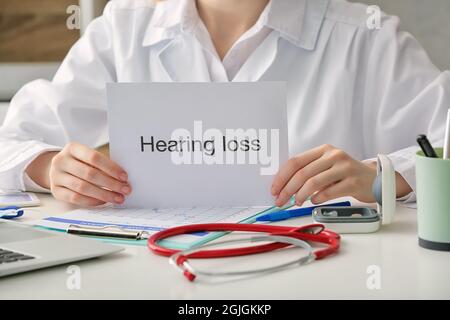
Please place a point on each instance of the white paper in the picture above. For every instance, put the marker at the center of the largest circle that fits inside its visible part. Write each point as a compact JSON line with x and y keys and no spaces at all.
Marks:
{"x":142,"y":115}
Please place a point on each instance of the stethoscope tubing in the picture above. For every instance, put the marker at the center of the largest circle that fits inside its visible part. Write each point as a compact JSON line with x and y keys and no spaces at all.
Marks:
{"x":180,"y":261}
{"x":309,"y":233}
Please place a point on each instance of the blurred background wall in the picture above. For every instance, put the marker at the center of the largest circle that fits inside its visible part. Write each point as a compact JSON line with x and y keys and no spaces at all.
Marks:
{"x":427,"y":20}
{"x":34,"y":38}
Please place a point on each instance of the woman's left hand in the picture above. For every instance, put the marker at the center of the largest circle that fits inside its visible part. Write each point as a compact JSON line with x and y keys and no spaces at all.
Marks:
{"x":324,"y":173}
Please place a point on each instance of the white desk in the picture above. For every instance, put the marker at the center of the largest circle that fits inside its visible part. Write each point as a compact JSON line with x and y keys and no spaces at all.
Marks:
{"x":407,"y":271}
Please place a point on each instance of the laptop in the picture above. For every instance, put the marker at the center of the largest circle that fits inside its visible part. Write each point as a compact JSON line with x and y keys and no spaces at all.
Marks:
{"x":24,"y":248}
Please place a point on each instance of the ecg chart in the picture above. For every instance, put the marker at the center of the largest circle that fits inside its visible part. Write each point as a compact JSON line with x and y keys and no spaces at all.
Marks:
{"x":151,"y":220}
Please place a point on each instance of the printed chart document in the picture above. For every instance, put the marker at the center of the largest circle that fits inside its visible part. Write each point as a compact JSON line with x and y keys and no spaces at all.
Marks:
{"x":154,"y":220}
{"x":198,"y":144}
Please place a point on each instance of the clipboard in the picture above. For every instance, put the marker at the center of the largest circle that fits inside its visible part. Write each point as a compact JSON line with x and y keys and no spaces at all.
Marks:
{"x":118,"y":235}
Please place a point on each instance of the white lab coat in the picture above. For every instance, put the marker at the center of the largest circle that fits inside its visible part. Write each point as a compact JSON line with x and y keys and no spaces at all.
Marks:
{"x":365,"y":91}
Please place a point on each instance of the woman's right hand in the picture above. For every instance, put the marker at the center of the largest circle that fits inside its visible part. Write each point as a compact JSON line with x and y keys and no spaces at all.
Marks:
{"x":83,"y":176}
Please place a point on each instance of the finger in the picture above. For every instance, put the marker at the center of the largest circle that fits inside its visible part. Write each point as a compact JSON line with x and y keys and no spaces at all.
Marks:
{"x":94,"y":176}
{"x":87,"y":189}
{"x":73,"y":197}
{"x":317,"y":183}
{"x":98,"y":160}
{"x":300,"y":177}
{"x":334,"y":191}
{"x":292,"y":166}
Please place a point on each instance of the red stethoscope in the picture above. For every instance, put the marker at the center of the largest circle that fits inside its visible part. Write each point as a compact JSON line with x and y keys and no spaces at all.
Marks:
{"x":280,"y":237}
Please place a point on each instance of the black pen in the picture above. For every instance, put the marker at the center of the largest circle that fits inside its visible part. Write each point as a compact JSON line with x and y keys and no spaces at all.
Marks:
{"x":427,"y":149}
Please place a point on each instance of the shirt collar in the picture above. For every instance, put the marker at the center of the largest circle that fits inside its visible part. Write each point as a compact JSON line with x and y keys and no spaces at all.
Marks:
{"x":301,"y":26}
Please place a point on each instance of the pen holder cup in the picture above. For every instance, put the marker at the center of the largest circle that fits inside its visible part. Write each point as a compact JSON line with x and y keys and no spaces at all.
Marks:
{"x":433,"y":201}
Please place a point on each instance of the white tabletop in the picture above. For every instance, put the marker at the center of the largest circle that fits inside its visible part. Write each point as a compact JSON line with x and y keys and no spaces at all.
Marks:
{"x":406,"y":271}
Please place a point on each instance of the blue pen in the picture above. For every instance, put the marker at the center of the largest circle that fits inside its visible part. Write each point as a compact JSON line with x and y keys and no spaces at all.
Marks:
{"x":288,"y":214}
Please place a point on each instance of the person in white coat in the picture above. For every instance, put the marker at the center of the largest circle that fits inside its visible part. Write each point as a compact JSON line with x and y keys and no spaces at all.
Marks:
{"x":353,"y":92}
